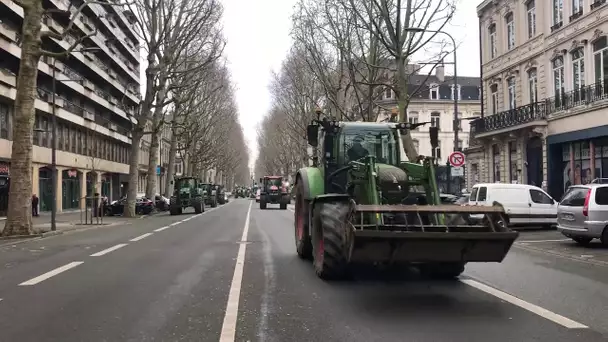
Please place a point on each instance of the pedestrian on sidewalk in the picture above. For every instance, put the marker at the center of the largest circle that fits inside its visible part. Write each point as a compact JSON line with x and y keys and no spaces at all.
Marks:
{"x":34,"y":205}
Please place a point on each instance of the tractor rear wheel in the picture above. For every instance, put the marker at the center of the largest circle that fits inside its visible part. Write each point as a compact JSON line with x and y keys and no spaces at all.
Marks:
{"x":331,"y":239}
{"x":301,"y":225}
{"x":262,"y":203}
{"x":441,"y":270}
{"x":198,"y":206}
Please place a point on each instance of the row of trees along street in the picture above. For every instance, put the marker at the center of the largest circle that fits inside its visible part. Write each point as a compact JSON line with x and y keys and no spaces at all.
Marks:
{"x":345,"y":55}
{"x":187,"y":90}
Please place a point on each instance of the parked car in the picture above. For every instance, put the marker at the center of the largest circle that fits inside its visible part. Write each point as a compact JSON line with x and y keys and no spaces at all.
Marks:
{"x":526,"y":205}
{"x":582,"y":214}
{"x":161,"y":203}
{"x":257,"y":195}
{"x":143,"y":206}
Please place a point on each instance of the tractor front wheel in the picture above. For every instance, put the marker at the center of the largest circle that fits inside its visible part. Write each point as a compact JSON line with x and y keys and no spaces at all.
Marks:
{"x":198,"y":206}
{"x":331,"y":239}
{"x":301,"y":225}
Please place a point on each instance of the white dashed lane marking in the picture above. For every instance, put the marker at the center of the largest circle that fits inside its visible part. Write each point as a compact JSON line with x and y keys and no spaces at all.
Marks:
{"x":141,"y":237}
{"x":161,"y":229}
{"x":50,"y":274}
{"x":108,"y":250}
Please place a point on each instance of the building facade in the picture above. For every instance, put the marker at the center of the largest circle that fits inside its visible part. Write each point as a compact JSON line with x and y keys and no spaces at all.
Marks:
{"x":433,"y":101}
{"x":544,"y":76}
{"x":96,"y":90}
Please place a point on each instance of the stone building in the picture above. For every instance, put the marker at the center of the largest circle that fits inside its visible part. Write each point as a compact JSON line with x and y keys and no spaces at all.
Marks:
{"x":543,"y":74}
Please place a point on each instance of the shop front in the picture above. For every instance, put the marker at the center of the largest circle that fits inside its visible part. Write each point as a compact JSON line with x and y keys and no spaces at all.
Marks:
{"x":45,"y":185}
{"x":70,"y":182}
{"x":4,"y":187}
{"x":576,"y":158}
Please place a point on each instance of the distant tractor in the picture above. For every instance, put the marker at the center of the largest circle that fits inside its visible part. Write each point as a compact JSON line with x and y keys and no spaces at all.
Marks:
{"x":363,"y":203}
{"x":273,"y":191}
{"x":210,"y":194}
{"x":188,"y":193}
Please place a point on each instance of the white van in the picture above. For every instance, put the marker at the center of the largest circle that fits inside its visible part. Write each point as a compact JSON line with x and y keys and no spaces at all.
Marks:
{"x":526,"y":205}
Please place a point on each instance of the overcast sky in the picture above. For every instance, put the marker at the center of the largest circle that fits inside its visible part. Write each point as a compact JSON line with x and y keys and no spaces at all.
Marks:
{"x":257,"y":32}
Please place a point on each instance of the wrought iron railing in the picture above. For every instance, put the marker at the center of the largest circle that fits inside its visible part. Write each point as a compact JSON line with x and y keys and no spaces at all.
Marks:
{"x":510,"y":118}
{"x":540,"y":110}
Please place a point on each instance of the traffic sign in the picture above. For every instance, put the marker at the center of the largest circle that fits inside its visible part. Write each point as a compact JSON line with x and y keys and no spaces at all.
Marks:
{"x":457,"y":171}
{"x":456,"y":159}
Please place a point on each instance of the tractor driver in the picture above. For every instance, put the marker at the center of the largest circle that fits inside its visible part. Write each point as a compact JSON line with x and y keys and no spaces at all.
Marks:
{"x":357,"y":151}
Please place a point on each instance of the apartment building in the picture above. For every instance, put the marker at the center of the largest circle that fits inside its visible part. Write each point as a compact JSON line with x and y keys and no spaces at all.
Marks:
{"x":432,"y":101}
{"x":544,"y":93}
{"x":96,"y":91}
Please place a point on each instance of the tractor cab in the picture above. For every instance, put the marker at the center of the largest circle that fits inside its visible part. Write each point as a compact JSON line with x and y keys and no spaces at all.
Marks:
{"x":188,"y":192}
{"x":273,"y":191}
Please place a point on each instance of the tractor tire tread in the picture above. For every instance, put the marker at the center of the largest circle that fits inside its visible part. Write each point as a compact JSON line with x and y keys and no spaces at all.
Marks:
{"x":333,"y":218}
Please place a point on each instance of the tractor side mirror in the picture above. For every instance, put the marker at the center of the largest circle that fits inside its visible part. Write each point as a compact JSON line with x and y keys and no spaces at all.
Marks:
{"x":312,"y":135}
{"x":434,"y":135}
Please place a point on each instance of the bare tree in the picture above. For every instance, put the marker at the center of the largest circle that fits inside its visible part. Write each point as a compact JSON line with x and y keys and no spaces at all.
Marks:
{"x":19,"y":214}
{"x":173,"y":31}
{"x":358,"y":49}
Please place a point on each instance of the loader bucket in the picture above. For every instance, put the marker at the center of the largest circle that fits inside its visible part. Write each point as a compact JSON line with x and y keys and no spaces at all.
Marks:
{"x":430,"y":233}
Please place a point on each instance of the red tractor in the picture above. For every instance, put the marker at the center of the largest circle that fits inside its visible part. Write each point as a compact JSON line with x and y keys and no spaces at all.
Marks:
{"x":273,"y":191}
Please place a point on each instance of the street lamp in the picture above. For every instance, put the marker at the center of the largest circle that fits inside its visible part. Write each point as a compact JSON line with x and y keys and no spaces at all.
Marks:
{"x":456,"y":121}
{"x":54,"y":137}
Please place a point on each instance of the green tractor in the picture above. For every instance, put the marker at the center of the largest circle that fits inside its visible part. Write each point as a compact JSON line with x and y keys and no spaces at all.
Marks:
{"x":188,"y":192}
{"x":210,"y":194}
{"x":362,"y":203}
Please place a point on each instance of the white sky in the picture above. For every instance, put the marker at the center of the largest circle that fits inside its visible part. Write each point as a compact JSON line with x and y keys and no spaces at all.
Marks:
{"x":257,"y":32}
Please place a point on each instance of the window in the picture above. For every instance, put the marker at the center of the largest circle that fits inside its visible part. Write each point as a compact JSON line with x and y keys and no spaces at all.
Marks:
{"x":601,"y":196}
{"x":417,"y":145}
{"x":434,"y":92}
{"x":492,"y":34}
{"x":494,"y":89}
{"x":4,"y":121}
{"x":179,"y":168}
{"x":413,"y":118}
{"x":459,"y":121}
{"x":496,"y":162}
{"x":459,"y":147}
{"x":532,"y":85}
{"x":513,"y":160}
{"x":558,"y":75}
{"x":457,"y":92}
{"x":436,"y":120}
{"x":510,"y":31}
{"x":531,"y":8}
{"x":540,"y":197}
{"x":388,"y":94}
{"x":473,"y":196}
{"x":558,"y":12}
{"x":577,"y":7}
{"x":511,"y":92}
{"x":578,"y":68}
{"x":483,"y":194}
{"x":600,"y":57}
{"x":437,"y":151}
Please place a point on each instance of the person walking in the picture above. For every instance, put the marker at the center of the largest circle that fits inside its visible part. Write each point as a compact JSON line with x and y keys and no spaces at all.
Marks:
{"x":35,"y":201}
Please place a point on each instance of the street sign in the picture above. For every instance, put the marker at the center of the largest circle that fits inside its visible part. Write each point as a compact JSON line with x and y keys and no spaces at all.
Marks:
{"x":457,"y":171}
{"x":158,"y":170}
{"x":456,"y":159}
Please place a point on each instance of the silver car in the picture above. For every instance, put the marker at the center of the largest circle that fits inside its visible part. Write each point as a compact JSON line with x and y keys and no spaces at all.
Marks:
{"x":582,"y":214}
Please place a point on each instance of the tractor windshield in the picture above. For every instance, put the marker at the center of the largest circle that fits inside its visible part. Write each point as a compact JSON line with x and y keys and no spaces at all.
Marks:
{"x":187,"y":183}
{"x":357,"y":143}
{"x":278,"y":182}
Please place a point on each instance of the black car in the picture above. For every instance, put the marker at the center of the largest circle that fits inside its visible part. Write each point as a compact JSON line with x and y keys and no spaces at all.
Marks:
{"x":143,"y":206}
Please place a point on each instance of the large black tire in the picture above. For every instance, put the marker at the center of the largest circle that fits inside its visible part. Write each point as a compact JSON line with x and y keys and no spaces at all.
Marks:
{"x":301,"y":224}
{"x":174,"y":211}
{"x":262,"y":204}
{"x":283,"y":205}
{"x":214,"y":203}
{"x":441,"y":270}
{"x":332,"y":239}
{"x":198,"y":206}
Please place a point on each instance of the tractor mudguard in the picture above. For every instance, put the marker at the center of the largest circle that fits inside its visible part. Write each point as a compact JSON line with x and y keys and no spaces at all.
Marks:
{"x":312,"y":179}
{"x":324,"y":198}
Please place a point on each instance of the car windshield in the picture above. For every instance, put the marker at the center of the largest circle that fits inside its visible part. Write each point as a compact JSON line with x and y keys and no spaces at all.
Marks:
{"x":357,"y":143}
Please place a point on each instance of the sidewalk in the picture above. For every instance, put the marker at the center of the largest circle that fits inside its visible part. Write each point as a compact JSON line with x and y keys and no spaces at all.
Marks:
{"x":70,"y":220}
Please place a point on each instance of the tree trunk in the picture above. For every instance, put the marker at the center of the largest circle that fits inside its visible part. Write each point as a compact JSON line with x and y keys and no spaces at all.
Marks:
{"x":407,"y":141}
{"x":171,"y":168}
{"x":136,"y":136}
{"x":19,"y":214}
{"x":152,"y":162}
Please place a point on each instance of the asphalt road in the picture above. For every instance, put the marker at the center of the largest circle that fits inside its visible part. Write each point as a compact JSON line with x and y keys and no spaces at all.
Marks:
{"x":231,"y":274}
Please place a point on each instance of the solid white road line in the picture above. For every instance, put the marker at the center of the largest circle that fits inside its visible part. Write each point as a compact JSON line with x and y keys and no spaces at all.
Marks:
{"x":108,"y":250}
{"x":141,"y":237}
{"x":232,"y":308}
{"x":161,"y":229}
{"x":533,"y":241}
{"x":535,"y":309}
{"x":50,"y":274}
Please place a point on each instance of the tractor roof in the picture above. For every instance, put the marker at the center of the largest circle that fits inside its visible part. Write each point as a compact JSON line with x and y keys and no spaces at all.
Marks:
{"x":273,"y":177}
{"x":367,"y":125}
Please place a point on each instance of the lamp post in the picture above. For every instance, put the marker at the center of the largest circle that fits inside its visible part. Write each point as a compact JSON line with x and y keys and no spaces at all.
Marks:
{"x":456,"y":121}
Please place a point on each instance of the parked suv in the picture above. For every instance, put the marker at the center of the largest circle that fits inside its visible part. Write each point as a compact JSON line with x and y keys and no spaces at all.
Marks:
{"x":582,"y":214}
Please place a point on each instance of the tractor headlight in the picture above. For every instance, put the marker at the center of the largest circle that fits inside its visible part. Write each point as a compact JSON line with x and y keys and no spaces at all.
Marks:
{"x":404,"y":125}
